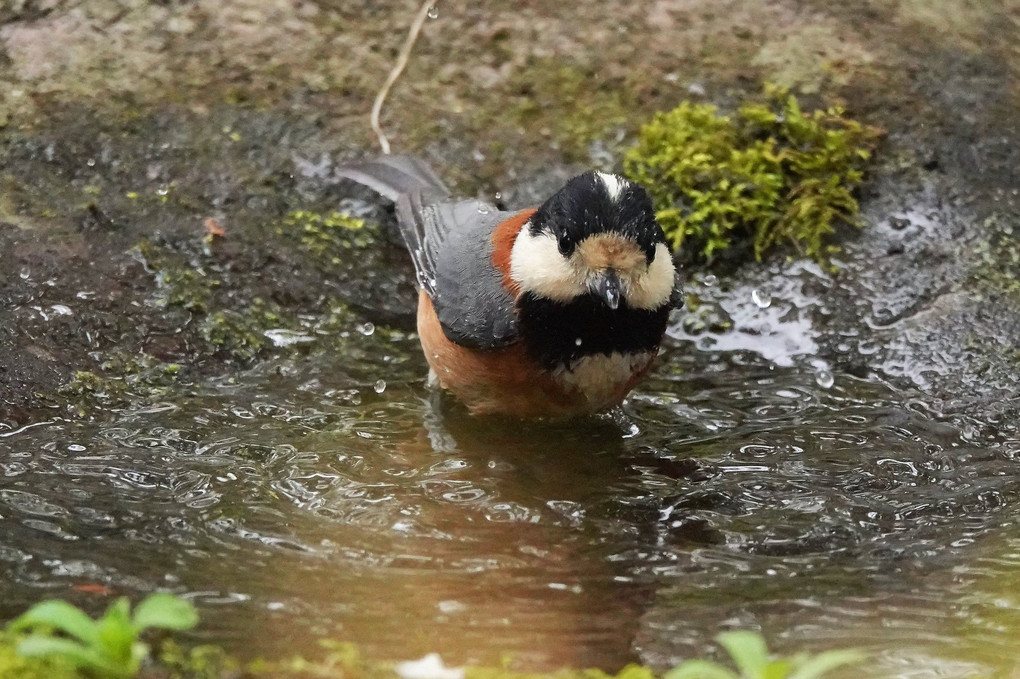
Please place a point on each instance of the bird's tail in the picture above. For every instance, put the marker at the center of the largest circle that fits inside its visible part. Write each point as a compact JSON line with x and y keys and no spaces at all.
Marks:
{"x":412,"y":185}
{"x":393,"y":176}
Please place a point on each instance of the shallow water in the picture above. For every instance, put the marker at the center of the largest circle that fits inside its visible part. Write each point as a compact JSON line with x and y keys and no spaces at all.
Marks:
{"x":294,"y":502}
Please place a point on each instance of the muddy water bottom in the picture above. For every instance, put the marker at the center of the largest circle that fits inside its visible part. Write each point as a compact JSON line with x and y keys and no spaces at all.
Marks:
{"x":294,"y":502}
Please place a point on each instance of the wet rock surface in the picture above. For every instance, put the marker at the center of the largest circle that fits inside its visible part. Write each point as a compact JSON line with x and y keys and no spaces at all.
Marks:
{"x":173,"y":278}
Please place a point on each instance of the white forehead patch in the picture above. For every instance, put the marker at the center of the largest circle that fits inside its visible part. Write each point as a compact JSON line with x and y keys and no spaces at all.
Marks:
{"x":614,"y":184}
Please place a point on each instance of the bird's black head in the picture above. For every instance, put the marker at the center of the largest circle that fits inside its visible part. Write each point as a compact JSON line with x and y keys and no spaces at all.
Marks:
{"x":599,"y":203}
{"x":596,"y":237}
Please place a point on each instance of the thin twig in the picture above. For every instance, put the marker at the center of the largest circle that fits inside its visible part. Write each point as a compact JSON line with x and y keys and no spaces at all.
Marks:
{"x":398,"y":68}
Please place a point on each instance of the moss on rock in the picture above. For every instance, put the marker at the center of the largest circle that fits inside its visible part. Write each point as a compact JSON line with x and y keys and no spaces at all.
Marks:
{"x":241,"y":334}
{"x":998,"y":258}
{"x":324,"y":236}
{"x":200,"y":662}
{"x":769,"y":174}
{"x":180,"y":285}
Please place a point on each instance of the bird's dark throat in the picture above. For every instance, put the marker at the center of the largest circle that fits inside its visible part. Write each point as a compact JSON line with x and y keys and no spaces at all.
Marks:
{"x":557,"y":333}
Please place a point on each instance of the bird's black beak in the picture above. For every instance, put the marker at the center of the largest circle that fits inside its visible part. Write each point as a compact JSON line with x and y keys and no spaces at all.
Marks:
{"x":607,"y":286}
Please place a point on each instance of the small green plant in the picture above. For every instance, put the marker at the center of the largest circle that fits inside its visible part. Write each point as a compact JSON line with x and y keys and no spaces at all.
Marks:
{"x":109,"y":647}
{"x":753,"y":660}
{"x":770,"y":173}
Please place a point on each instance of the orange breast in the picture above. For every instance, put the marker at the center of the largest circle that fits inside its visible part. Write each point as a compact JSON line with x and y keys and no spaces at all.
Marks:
{"x":503,"y":381}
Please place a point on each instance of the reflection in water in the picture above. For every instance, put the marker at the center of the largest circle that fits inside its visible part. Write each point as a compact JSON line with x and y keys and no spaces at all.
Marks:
{"x":297,"y":503}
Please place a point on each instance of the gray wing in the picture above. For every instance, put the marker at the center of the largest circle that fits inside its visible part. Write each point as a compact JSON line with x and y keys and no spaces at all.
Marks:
{"x":474,"y":308}
{"x":451,"y":246}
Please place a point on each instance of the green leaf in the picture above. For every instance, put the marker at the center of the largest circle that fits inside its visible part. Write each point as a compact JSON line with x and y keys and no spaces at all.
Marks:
{"x":748,"y":650}
{"x":824,"y":663}
{"x":165,"y":611}
{"x":116,"y":634}
{"x":700,"y":669}
{"x":59,"y":615}
{"x":120,"y":609}
{"x":777,"y":669}
{"x":78,"y":655}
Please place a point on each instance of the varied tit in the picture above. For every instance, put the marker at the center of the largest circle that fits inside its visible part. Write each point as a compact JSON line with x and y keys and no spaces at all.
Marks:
{"x":556,"y":311}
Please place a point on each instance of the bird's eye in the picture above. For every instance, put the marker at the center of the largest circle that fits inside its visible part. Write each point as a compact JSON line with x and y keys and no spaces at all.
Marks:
{"x":564,"y":243}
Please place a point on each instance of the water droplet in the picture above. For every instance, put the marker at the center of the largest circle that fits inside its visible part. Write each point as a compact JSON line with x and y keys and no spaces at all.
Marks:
{"x":434,"y":12}
{"x":709,"y":280}
{"x":824,"y":379}
{"x":578,"y":342}
{"x":366,"y":329}
{"x":761,"y":298}
{"x":498,"y":195}
{"x":76,"y":448}
{"x":483,"y":209}
{"x":91,"y":162}
{"x":379,"y":386}
{"x":162,"y":191}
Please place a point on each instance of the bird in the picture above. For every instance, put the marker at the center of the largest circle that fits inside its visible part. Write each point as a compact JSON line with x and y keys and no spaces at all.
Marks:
{"x":555,"y":311}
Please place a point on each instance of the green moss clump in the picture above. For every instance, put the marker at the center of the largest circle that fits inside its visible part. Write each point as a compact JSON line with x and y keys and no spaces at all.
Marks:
{"x":14,"y":666}
{"x":324,"y":235}
{"x":771,"y":173}
{"x":142,"y":374}
{"x":181,"y":285}
{"x":87,"y":383}
{"x":342,"y":660}
{"x":122,"y":378}
{"x":200,"y":662}
{"x":998,"y":258}
{"x":241,"y":334}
